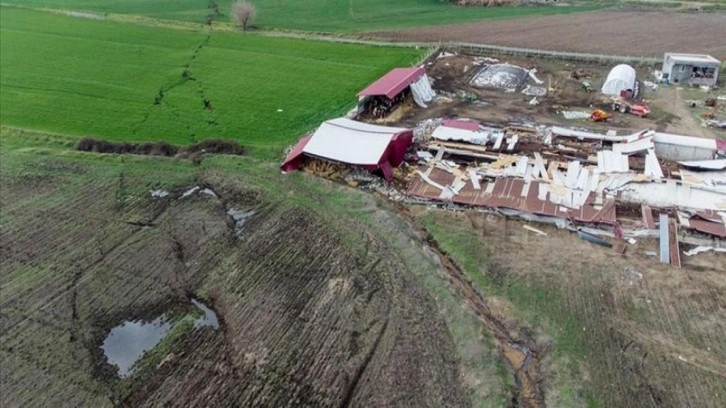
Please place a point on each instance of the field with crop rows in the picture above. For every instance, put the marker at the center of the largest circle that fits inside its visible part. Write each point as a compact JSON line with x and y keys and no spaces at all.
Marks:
{"x":127,"y":82}
{"x":323,"y":298}
{"x":630,"y":33}
{"x":313,"y":15}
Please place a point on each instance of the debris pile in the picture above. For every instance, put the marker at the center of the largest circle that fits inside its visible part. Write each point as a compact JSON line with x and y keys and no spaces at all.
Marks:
{"x":588,"y":182}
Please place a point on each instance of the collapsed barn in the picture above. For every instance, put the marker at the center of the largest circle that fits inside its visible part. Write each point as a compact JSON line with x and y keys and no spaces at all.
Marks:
{"x":612,"y":188}
{"x":374,"y":148}
{"x":585,"y":181}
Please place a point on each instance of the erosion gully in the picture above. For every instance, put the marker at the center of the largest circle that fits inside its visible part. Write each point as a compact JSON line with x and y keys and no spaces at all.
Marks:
{"x":519,"y":354}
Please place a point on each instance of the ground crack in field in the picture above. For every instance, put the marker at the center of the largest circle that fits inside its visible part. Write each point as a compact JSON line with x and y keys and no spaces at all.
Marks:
{"x":523,"y":360}
{"x":161,"y":100}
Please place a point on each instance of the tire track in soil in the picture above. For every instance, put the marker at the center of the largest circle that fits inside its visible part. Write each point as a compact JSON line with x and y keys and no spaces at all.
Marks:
{"x":79,"y":275}
{"x":520,"y":355}
{"x":353,"y":383}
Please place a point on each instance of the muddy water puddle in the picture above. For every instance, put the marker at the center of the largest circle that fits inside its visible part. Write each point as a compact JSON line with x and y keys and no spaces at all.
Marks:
{"x":209,"y":319}
{"x":127,"y":343}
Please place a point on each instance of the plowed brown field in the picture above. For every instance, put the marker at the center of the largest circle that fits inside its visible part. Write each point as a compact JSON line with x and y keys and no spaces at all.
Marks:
{"x":637,"y":33}
{"x":311,"y":315}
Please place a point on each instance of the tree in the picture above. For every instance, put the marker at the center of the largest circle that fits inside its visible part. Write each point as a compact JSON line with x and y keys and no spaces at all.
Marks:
{"x":242,"y":13}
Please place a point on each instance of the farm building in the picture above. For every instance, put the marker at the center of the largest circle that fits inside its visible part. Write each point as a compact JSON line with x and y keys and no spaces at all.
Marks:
{"x":346,"y":141}
{"x":620,"y":81}
{"x":690,"y":69}
{"x":381,"y":97}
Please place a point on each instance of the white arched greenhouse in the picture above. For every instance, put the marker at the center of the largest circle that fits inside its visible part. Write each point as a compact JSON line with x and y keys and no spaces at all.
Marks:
{"x":621,"y":77}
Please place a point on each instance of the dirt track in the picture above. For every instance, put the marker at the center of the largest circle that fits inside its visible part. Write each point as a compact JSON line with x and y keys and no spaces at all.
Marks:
{"x":636,"y":33}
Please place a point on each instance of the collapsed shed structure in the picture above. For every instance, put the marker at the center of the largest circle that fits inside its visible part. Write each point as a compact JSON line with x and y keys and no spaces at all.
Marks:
{"x":621,"y":82}
{"x":373,"y":147}
{"x":691,"y":69}
{"x":381,"y":97}
{"x":590,"y":182}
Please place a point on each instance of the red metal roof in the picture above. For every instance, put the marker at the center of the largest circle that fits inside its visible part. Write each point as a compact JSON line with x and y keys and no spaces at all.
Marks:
{"x":708,"y":227}
{"x":393,"y":82}
{"x":507,"y":192}
{"x":292,"y":161}
{"x":461,"y":124}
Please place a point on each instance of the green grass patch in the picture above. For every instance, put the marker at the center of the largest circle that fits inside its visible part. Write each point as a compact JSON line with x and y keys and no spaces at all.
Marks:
{"x":134,"y":83}
{"x":317,"y":15}
{"x":537,"y":302}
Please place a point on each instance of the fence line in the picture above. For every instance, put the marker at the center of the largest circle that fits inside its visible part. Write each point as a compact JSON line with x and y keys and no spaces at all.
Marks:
{"x":474,"y":48}
{"x":478,"y":49}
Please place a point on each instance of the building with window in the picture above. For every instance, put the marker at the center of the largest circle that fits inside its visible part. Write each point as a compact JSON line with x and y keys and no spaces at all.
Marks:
{"x":690,"y":69}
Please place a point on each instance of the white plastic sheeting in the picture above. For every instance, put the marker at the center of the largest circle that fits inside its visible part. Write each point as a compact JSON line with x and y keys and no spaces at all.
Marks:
{"x":719,"y":164}
{"x":422,"y":92}
{"x":460,"y":135}
{"x":620,"y":77}
{"x":575,"y":115}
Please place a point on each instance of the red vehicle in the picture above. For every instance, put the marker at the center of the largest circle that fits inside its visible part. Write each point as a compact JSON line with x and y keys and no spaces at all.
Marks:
{"x":625,"y":106}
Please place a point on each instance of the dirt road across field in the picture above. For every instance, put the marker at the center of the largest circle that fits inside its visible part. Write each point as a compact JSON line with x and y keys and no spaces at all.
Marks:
{"x":636,"y":33}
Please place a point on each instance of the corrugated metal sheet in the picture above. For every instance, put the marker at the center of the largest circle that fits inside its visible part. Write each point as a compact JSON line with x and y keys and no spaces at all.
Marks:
{"x":663,"y":237}
{"x":707,"y":227}
{"x":461,"y":124}
{"x":509,"y":192}
{"x":393,"y":82}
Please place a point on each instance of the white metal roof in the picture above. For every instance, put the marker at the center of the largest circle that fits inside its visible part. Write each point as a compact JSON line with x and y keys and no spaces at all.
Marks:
{"x":674,"y":194}
{"x":364,"y":127}
{"x":351,"y":142}
{"x":692,"y":59}
{"x":719,"y":164}
{"x":686,"y":141}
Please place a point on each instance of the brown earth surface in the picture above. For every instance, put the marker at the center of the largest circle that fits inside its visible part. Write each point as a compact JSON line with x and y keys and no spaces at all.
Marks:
{"x":636,"y":332}
{"x":634,"y":33}
{"x":309,"y":317}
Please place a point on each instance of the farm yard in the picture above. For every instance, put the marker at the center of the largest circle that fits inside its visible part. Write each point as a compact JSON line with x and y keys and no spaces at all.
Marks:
{"x":454,"y":77}
{"x":146,"y":262}
{"x":633,"y":33}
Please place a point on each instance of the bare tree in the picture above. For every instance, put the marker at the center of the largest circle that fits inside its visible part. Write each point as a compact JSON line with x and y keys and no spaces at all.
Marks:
{"x":242,"y":13}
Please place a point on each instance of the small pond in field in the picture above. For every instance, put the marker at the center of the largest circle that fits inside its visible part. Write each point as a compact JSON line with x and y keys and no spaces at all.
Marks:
{"x":127,"y":342}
